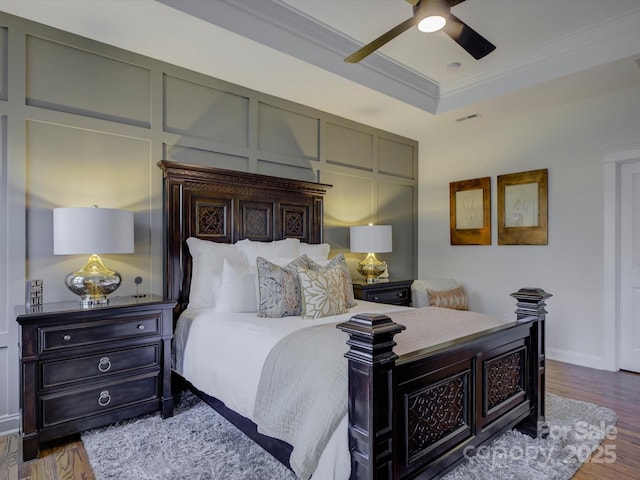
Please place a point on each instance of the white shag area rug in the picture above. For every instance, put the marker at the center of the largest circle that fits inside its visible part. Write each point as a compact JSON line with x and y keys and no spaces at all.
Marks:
{"x":197,"y":443}
{"x":575,"y":430}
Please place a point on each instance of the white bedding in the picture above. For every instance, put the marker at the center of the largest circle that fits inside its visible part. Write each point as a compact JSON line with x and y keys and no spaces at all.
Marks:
{"x":223,"y":355}
{"x":213,"y":351}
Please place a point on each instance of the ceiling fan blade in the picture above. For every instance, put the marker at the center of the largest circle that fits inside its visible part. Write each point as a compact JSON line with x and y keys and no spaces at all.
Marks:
{"x":371,"y":47}
{"x":465,"y":36}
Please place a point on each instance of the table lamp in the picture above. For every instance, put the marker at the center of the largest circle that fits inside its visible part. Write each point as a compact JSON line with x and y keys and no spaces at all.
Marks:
{"x":371,"y":239}
{"x":92,"y":231}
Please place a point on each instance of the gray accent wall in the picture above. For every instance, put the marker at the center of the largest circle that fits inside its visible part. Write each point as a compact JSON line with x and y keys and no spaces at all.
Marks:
{"x":83,"y":123}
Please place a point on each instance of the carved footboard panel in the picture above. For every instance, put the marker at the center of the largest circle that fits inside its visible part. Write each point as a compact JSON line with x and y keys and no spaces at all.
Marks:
{"x":420,"y":415}
{"x":459,"y":399}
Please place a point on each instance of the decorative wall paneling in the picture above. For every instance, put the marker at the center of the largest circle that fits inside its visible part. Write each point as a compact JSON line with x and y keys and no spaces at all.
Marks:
{"x":380,"y":184}
{"x":85,"y":123}
{"x":8,"y":327}
{"x":4,"y":65}
{"x":394,"y":199}
{"x":71,"y":79}
{"x":192,"y":110}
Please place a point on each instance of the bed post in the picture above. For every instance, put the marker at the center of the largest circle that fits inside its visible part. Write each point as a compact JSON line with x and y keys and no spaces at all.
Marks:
{"x":531,"y":303}
{"x":371,"y":364}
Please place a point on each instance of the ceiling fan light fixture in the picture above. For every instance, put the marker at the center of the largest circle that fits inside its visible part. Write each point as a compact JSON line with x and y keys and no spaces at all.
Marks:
{"x":431,"y":15}
{"x":432,"y":23}
{"x":432,"y":10}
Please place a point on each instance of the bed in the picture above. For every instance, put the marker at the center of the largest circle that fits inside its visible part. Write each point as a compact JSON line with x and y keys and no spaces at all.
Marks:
{"x":407,"y":409}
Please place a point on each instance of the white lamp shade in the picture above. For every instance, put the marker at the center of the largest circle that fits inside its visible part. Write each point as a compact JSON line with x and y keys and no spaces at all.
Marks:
{"x":92,"y":230}
{"x":371,"y":239}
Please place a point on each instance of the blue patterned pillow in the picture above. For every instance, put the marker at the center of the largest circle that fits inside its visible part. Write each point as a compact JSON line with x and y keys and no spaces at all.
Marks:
{"x":279,"y":288}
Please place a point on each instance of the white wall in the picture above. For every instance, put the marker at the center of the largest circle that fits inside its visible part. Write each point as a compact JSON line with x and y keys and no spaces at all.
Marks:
{"x":570,"y":140}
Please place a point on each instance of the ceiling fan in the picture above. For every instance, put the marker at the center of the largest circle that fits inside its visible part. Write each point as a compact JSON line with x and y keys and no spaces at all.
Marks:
{"x":431,"y":16}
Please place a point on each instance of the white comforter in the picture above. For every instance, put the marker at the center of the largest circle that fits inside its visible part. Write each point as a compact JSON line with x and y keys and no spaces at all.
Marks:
{"x":223,"y":355}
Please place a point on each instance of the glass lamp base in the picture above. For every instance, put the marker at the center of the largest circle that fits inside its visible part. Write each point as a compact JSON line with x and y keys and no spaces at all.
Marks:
{"x":371,"y":268}
{"x":93,"y":282}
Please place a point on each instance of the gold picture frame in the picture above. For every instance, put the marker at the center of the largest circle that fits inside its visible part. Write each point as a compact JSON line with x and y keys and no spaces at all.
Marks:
{"x":522,"y":208}
{"x":470,"y":212}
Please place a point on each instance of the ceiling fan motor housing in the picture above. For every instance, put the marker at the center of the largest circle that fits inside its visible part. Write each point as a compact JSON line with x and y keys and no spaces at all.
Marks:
{"x":427,"y":8}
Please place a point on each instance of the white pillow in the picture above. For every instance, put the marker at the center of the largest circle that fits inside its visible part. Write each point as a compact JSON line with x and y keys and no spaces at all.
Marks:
{"x":237,"y":289}
{"x":207,"y":260}
{"x":318,"y":252}
{"x":287,"y":248}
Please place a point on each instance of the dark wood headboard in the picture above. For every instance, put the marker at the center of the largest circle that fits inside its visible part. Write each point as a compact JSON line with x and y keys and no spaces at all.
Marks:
{"x":226,"y":206}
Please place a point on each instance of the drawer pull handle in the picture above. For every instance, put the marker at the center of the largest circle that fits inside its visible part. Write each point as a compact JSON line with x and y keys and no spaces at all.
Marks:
{"x":104,"y":399}
{"x":66,"y":338}
{"x":140,"y":327}
{"x":400,"y":294}
{"x":375,"y":299}
{"x":104,"y":365}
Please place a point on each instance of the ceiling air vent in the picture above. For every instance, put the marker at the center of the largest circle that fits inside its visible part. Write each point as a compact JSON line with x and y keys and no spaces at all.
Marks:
{"x":468,"y":117}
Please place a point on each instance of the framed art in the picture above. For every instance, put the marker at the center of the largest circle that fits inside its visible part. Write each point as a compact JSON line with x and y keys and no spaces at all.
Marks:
{"x":522,"y":208}
{"x":470,"y":212}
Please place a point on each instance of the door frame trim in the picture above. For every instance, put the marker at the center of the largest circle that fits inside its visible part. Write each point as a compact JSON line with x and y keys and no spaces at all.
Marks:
{"x":613,"y":159}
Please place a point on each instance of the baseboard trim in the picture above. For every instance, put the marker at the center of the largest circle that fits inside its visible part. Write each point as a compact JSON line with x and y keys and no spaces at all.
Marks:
{"x":9,"y":424}
{"x":567,"y":356}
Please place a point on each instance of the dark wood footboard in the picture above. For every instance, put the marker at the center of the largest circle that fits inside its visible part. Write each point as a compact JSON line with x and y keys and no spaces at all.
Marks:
{"x":420,"y":415}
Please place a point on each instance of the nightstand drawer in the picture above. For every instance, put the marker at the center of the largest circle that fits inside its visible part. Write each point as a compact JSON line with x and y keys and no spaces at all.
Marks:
{"x":77,"y":404}
{"x":76,"y":334}
{"x":388,"y":296}
{"x":393,"y":292}
{"x":99,"y":365}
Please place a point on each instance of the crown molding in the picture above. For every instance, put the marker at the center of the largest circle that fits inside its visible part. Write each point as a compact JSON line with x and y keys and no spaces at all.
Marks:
{"x":278,"y":25}
{"x":597,"y":45}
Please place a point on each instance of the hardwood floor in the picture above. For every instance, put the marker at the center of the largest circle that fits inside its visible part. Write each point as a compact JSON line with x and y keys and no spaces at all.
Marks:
{"x":66,"y":461}
{"x":618,"y":391}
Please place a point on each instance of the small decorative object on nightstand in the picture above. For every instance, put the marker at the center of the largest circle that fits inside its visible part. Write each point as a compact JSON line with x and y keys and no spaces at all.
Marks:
{"x":394,"y":292}
{"x":84,"y":368}
{"x":34,"y":293}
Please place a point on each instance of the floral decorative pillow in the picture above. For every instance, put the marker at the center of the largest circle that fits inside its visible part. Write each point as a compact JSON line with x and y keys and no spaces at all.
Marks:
{"x":322,"y":292}
{"x":454,"y":298}
{"x":279,"y":288}
{"x":339,"y":261}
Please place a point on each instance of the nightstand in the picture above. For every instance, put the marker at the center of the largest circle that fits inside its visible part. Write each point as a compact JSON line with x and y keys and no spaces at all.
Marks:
{"x":83,"y":368}
{"x":394,"y":292}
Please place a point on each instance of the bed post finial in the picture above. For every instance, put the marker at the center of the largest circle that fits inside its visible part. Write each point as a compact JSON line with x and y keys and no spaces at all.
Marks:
{"x":531,"y":303}
{"x":371,"y":363}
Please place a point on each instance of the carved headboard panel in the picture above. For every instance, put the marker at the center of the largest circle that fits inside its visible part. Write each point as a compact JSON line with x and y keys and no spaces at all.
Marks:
{"x":226,"y":206}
